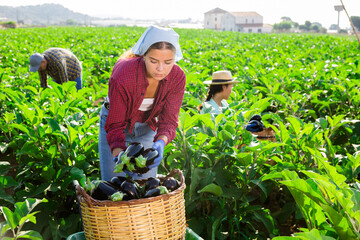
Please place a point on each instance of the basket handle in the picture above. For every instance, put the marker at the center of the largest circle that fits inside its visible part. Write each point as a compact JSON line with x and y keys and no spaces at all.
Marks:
{"x":179,"y":173}
{"x":80,"y":192}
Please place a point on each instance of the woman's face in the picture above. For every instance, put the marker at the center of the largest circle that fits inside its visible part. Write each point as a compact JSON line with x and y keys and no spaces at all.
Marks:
{"x":158,"y":63}
{"x":227,"y":90}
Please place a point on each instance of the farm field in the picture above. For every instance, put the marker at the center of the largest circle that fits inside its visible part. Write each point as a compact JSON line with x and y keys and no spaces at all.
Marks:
{"x":304,"y":185}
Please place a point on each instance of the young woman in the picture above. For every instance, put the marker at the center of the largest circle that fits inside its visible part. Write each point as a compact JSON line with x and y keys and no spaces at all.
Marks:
{"x":146,"y":90}
{"x":219,"y":91}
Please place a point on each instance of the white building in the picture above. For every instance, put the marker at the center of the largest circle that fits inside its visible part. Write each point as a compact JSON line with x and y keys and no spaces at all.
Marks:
{"x":245,"y":22}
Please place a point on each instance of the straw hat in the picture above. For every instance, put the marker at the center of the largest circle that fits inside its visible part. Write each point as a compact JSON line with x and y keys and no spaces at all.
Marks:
{"x":221,"y":77}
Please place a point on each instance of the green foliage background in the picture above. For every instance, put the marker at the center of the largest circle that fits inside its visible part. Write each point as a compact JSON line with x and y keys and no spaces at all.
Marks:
{"x":237,"y":187}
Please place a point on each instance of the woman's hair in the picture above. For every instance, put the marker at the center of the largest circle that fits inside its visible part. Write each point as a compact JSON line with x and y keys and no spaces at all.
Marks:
{"x":157,"y":45}
{"x":213,"y":89}
{"x":161,"y":45}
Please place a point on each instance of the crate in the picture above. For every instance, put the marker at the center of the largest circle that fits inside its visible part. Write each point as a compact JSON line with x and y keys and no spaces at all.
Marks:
{"x":160,"y":217}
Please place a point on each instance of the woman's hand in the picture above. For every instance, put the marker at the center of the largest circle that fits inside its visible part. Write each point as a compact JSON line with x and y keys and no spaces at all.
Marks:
{"x":116,"y":153}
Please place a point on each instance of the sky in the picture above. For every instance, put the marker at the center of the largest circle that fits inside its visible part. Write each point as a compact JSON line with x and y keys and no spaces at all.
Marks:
{"x":299,"y":11}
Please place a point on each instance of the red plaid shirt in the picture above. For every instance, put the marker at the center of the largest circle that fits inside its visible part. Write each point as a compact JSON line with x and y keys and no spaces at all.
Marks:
{"x":127,"y":87}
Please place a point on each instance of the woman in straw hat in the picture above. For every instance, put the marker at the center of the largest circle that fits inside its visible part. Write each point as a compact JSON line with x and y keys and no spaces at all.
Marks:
{"x":146,"y":90}
{"x":219,"y":91}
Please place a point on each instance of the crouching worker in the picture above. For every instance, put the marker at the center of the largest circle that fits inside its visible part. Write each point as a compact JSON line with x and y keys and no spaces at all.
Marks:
{"x":61,"y":64}
{"x":146,"y":90}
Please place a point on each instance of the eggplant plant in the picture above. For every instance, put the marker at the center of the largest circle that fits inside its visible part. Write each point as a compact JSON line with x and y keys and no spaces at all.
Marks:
{"x":15,"y":220}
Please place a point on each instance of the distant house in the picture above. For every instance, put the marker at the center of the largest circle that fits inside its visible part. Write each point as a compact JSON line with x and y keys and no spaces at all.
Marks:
{"x":245,"y":22}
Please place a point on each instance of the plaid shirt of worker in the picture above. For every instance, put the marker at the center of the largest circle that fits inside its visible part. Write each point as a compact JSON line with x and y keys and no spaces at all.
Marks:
{"x":127,"y":87}
{"x":62,"y":66}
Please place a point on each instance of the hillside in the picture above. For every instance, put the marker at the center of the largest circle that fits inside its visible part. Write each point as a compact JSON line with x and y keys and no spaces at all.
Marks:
{"x":45,"y":14}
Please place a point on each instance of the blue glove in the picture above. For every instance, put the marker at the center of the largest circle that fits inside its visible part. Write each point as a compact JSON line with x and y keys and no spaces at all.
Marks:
{"x":159,"y":146}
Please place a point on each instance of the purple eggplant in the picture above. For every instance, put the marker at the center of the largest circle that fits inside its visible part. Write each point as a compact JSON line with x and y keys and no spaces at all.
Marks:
{"x":117,"y":181}
{"x":134,"y":150}
{"x":145,"y":160}
{"x":129,"y":187}
{"x":171,"y":184}
{"x":103,"y":190}
{"x":152,"y":183}
{"x":256,"y":117}
{"x":255,"y":126}
{"x":156,"y":191}
{"x":150,"y":155}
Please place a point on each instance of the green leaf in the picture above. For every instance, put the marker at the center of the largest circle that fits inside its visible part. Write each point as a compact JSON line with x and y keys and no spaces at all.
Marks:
{"x":230,"y":129}
{"x":197,"y":174}
{"x":337,"y":119}
{"x":280,"y":98}
{"x":330,"y":120}
{"x":52,"y":150}
{"x":340,"y":223}
{"x":7,"y":181}
{"x":21,"y":128}
{"x":6,"y":197}
{"x":272,"y":175}
{"x":212,"y":188}
{"x":33,"y":235}
{"x":48,"y":173}
{"x":218,"y":118}
{"x":314,"y":234}
{"x":22,"y":209}
{"x":10,"y":217}
{"x":41,"y":132}
{"x":263,"y":215}
{"x":28,"y":218}
{"x":4,"y":227}
{"x":206,"y":119}
{"x":186,"y":121}
{"x":306,"y":188}
{"x":53,"y":124}
{"x":285,"y":238}
{"x":295,"y":124}
{"x":224,"y":135}
{"x":323,"y":123}
{"x":73,"y":134}
{"x":29,"y":148}
{"x":3,"y":147}
{"x":215,"y":226}
{"x":76,"y":173}
{"x":244,"y":158}
{"x":270,"y":146}
{"x":27,"y":113}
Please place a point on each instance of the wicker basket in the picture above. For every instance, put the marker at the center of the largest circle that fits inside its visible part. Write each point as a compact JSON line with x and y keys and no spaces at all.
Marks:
{"x":161,"y":217}
{"x":266,"y":134}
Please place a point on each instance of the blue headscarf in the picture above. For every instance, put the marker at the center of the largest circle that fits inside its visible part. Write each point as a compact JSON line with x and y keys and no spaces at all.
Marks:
{"x":154,"y":34}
